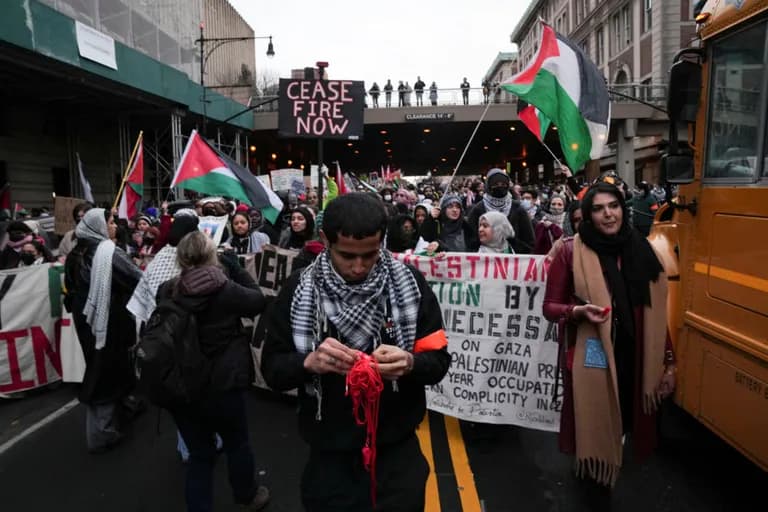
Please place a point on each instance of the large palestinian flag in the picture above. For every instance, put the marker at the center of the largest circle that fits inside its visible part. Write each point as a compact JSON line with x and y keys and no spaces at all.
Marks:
{"x":210,"y":172}
{"x":133,"y":191}
{"x":567,"y":88}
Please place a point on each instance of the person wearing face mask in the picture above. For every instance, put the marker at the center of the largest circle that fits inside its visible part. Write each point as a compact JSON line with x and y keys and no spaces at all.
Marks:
{"x":32,"y":254}
{"x":497,"y":198}
{"x":19,"y":234}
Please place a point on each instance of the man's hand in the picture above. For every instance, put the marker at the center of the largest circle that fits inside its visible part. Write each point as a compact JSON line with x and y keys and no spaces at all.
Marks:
{"x":331,"y":356}
{"x":393,"y":361}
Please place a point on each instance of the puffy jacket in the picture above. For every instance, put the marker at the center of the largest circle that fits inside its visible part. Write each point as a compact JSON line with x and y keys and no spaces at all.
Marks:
{"x":218,"y":304}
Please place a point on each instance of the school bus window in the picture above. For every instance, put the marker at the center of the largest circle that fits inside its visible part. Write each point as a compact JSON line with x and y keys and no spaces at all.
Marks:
{"x":765,"y":151}
{"x":738,"y":71}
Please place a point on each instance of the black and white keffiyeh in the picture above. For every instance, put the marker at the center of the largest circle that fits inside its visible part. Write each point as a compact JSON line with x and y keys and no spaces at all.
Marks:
{"x":356,"y":310}
{"x":162,"y":268}
{"x":498,"y":204}
{"x":93,"y":226}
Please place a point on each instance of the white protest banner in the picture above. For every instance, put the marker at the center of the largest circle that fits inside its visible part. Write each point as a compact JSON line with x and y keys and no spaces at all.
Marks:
{"x":503,"y":350}
{"x":30,"y":328}
{"x":213,"y":227}
{"x":283,"y":179}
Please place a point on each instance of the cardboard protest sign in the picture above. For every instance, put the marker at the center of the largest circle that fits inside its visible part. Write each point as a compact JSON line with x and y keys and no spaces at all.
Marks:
{"x":62,"y":213}
{"x":328,"y":109}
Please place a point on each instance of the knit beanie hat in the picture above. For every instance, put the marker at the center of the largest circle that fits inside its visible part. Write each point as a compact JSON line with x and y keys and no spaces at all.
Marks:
{"x":182,"y":225}
{"x":449,"y":199}
{"x":496,"y":176}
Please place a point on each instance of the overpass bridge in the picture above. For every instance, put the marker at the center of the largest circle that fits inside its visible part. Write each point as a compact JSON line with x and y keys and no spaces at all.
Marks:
{"x":432,"y":138}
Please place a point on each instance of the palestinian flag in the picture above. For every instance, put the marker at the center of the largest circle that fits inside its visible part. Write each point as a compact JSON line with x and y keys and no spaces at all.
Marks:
{"x":211,"y":172}
{"x":533,"y":119}
{"x":568,"y":89}
{"x":340,"y":180}
{"x":133,"y":191}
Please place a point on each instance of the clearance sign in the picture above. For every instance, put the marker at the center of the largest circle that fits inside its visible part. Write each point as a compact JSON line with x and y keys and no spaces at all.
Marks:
{"x":321,"y":109}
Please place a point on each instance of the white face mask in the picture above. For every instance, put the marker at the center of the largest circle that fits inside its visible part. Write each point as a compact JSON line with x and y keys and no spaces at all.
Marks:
{"x":526,"y":203}
{"x":387,"y":198}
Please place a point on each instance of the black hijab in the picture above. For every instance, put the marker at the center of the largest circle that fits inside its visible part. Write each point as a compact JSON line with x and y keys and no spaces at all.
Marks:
{"x":630,"y":285}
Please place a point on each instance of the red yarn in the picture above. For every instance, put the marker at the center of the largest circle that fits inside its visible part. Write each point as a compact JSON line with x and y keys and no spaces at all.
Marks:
{"x":364,"y":386}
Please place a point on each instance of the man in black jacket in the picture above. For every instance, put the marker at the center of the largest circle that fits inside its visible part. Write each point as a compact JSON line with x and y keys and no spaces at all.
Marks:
{"x":497,"y":197}
{"x":355,"y":298}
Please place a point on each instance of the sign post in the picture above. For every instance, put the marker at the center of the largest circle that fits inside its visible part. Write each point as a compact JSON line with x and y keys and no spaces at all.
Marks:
{"x":321,"y":109}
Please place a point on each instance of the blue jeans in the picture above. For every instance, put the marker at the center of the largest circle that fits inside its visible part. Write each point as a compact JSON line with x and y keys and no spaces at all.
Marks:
{"x":223,"y":413}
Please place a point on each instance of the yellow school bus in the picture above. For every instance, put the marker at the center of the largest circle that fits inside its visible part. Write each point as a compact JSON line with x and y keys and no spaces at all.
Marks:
{"x":715,"y":234}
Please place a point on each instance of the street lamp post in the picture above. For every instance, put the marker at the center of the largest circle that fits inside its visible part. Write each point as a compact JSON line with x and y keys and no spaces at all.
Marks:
{"x":205,"y":55}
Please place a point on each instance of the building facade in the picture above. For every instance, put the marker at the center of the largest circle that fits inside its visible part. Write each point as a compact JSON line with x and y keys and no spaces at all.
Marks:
{"x":504,"y":66}
{"x":82,"y":78}
{"x":632,"y":42}
{"x":169,"y":31}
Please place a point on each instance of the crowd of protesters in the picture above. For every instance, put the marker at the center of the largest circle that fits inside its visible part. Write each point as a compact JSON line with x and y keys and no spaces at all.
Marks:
{"x":117,"y":269}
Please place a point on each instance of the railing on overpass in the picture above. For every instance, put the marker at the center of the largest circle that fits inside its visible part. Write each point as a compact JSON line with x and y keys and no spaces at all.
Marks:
{"x":655,"y":94}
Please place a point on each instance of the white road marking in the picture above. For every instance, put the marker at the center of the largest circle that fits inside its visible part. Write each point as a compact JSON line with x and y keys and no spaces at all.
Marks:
{"x":37,"y":426}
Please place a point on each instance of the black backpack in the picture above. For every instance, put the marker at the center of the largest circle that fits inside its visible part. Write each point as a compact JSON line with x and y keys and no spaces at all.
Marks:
{"x":170,"y":367}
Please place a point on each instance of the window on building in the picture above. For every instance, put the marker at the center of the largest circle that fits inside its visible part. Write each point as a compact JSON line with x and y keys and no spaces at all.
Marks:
{"x":600,"y":37}
{"x":580,"y":11}
{"x":626,"y":21}
{"x":616,"y":26}
{"x":647,"y":18}
{"x":621,"y":25}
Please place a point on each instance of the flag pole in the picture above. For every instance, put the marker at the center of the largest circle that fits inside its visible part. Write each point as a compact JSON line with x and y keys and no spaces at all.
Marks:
{"x":128,"y":169}
{"x":551,"y":153}
{"x":463,"y":153}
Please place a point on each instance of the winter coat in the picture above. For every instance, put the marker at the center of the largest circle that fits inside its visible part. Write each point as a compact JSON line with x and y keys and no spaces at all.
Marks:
{"x":218,"y":304}
{"x":109,"y":372}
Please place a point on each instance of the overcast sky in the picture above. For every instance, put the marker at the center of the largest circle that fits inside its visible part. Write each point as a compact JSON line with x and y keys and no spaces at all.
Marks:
{"x":373,"y":41}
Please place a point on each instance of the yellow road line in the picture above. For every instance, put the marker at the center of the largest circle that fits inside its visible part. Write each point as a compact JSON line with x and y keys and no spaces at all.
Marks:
{"x":470,"y":501}
{"x":747,"y":280}
{"x":432,"y":499}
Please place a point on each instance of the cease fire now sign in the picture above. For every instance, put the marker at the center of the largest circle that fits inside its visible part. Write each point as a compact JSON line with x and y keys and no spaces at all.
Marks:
{"x":328,"y":109}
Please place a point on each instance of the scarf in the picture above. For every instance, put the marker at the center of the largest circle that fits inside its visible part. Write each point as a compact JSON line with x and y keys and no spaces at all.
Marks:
{"x":93,"y":227}
{"x":597,"y":411}
{"x":250,"y":243}
{"x":358,"y":311}
{"x":162,"y":268}
{"x":498,"y":204}
{"x":501,"y":229}
{"x":556,"y":218}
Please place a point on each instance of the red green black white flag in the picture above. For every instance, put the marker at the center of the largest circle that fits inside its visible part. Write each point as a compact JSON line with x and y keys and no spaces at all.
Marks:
{"x":568,"y":89}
